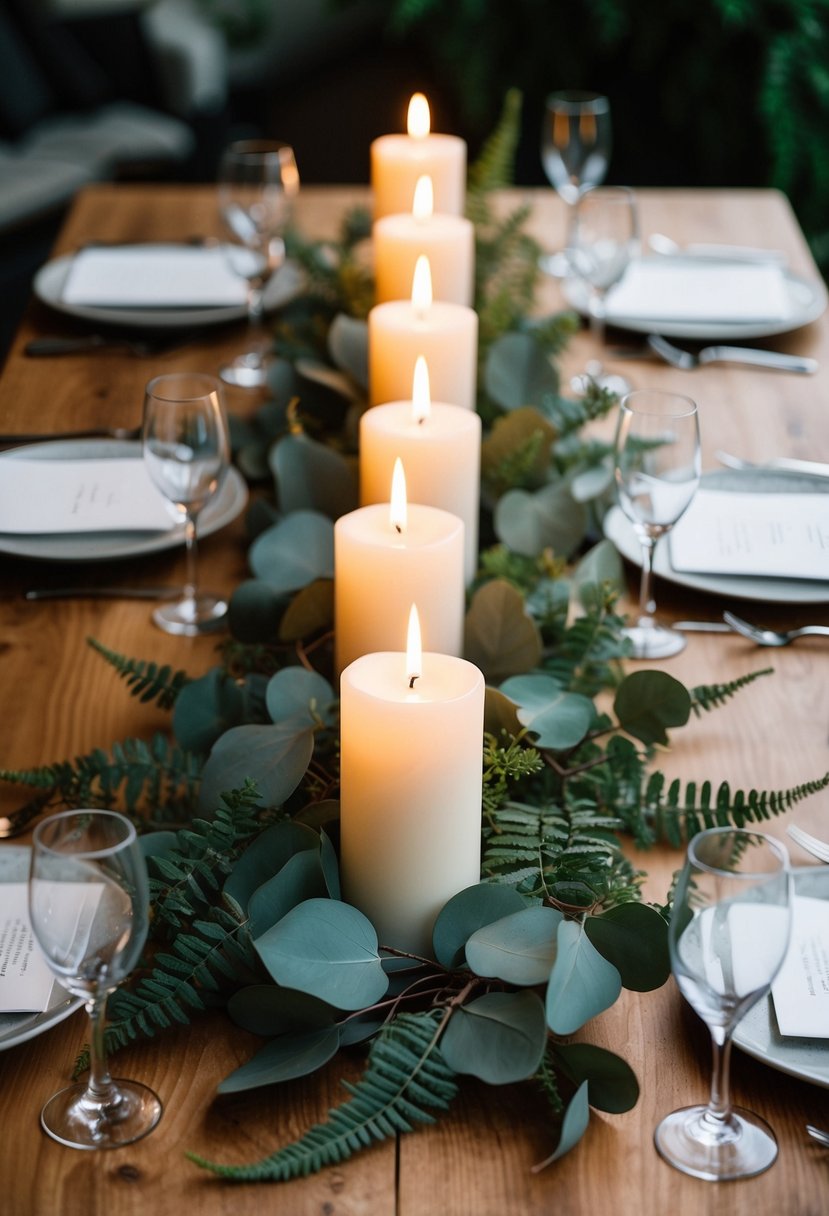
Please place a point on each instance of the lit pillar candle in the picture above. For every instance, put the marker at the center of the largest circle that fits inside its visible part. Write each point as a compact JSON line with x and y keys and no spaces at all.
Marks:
{"x":445,"y":334}
{"x":386,"y":556}
{"x":411,"y":750}
{"x":440,"y":446}
{"x":447,"y":240}
{"x":397,"y":161}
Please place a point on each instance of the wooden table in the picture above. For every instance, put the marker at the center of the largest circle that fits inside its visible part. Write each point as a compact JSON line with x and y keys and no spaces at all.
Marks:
{"x":60,"y":700}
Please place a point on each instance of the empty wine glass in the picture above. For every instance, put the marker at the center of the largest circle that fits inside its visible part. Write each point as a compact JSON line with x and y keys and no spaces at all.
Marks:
{"x":89,"y":910}
{"x":728,"y":937}
{"x":575,"y":151}
{"x":258,"y":179}
{"x":187,"y":453}
{"x":656,"y":466}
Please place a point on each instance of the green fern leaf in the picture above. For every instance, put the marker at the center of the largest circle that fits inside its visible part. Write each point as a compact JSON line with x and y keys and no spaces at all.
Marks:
{"x":709,"y":696}
{"x":146,"y":680}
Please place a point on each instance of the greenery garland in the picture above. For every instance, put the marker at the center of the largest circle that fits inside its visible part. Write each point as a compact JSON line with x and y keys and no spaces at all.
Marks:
{"x":247,"y":911}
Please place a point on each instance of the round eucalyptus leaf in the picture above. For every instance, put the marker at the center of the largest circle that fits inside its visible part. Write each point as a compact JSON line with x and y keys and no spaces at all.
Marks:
{"x":241,"y":431}
{"x":157,"y":844}
{"x":647,"y":702}
{"x":499,"y":636}
{"x":634,"y":937}
{"x":519,"y":948}
{"x":265,"y":856}
{"x":319,"y":814}
{"x":261,"y":515}
{"x":252,"y":461}
{"x":312,"y":477}
{"x":300,"y":878}
{"x":361,"y":1028}
{"x":205,"y":708}
{"x":330,"y":866}
{"x":328,"y":949}
{"x":601,"y":564}
{"x":468,"y":911}
{"x":267,"y":1009}
{"x":499,"y":1038}
{"x":573,"y":1126}
{"x":283,"y":383}
{"x":559,"y":719}
{"x":329,"y":378}
{"x":283,"y":1059}
{"x":309,"y":612}
{"x":519,"y":371}
{"x":592,"y":482}
{"x":348,"y":347}
{"x":254,"y":611}
{"x":254,"y":688}
{"x":297,"y":692}
{"x":499,"y":714}
{"x":550,"y":518}
{"x":275,"y":757}
{"x":612,"y":1084}
{"x":295,"y":551}
{"x":582,"y":982}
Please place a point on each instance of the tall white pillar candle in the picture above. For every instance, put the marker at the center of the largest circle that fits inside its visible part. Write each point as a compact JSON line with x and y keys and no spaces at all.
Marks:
{"x":445,"y":334}
{"x":383,"y":563}
{"x":397,"y":161}
{"x":447,"y":240}
{"x":410,"y":802}
{"x":440,"y":446}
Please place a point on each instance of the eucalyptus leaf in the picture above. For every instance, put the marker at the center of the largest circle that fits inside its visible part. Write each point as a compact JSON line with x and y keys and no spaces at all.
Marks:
{"x":157,"y":844}
{"x":612,"y":1084}
{"x":330,"y":866}
{"x":528,"y":523}
{"x":313,"y":477}
{"x":267,"y":1009}
{"x":283,"y":383}
{"x":265,"y":856}
{"x":499,"y":713}
{"x":275,"y":757}
{"x":573,"y":1126}
{"x":300,"y":878}
{"x":294,"y":552}
{"x":559,"y":719}
{"x":592,"y":482}
{"x":499,"y":636}
{"x":348,"y":347}
{"x":500,"y":1037}
{"x":634,"y":937}
{"x":252,"y":461}
{"x":328,"y":949}
{"x":205,"y":708}
{"x":254,"y":611}
{"x":582,"y":983}
{"x":468,"y":911}
{"x":319,"y":814}
{"x":519,"y":948}
{"x":283,"y":1059}
{"x":299,"y":693}
{"x":310,"y":611}
{"x":518,"y":371}
{"x":647,"y":702}
{"x":601,"y":564}
{"x":327,"y":377}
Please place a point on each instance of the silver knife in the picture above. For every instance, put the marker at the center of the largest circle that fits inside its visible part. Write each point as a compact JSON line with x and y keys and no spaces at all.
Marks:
{"x":702,"y":627}
{"x":96,"y":593}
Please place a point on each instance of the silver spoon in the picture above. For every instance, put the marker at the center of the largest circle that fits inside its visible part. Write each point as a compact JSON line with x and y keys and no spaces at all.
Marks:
{"x":816,"y":1134}
{"x":667,"y":247}
{"x":687,"y":361}
{"x":773,"y":637}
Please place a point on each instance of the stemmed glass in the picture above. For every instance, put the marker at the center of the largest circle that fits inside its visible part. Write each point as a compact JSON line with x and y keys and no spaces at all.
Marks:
{"x":258,"y":179}
{"x":187,"y":453}
{"x":656,"y":466}
{"x":89,"y":910}
{"x":728,"y":937}
{"x":575,"y":151}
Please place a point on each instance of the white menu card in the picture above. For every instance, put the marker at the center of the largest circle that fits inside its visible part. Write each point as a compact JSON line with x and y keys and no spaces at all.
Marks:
{"x":801,"y":989}
{"x":25,"y":979}
{"x":46,"y":496}
{"x":153,"y":276}
{"x":673,"y":289}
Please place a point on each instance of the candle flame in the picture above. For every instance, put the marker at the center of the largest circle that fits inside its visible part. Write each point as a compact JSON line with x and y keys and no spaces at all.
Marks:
{"x":421,"y":396}
{"x":423,"y":203}
{"x":414,"y":648}
{"x":418,"y":120}
{"x":397,"y":506}
{"x":422,"y":287}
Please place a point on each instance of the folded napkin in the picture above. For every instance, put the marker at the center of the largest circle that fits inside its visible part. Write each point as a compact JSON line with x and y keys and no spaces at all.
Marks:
{"x":154,"y":276}
{"x":25,"y":980}
{"x":801,"y":988}
{"x":673,"y":289}
{"x":766,"y":535}
{"x":50,"y":496}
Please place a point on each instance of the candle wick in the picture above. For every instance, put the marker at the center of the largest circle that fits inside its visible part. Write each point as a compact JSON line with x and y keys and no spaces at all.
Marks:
{"x":421,"y":420}
{"x":412,"y":680}
{"x":398,"y":529}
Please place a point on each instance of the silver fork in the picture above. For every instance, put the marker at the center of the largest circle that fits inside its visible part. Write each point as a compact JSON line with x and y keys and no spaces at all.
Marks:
{"x":786,"y":464}
{"x":773,"y":637}
{"x":818,"y":848}
{"x":818,"y":1134}
{"x":685,"y":360}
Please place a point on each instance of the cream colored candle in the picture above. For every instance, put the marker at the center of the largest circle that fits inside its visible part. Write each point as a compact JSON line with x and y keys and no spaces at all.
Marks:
{"x":397,"y":161}
{"x":410,"y":801}
{"x":447,"y":240}
{"x":440,"y":446}
{"x":386,"y":557}
{"x":445,"y":334}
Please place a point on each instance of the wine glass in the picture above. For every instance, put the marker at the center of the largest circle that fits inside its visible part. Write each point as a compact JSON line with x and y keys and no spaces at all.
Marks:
{"x":575,"y":150}
{"x":258,"y":179}
{"x":187,"y":453}
{"x":89,"y":910}
{"x":656,"y":465}
{"x":728,"y":937}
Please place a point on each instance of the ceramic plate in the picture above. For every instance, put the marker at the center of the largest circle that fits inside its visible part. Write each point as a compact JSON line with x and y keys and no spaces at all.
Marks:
{"x":769,"y":590}
{"x":757,"y":1033}
{"x":18,"y":1027}
{"x":807,"y":301}
{"x":50,"y":280}
{"x":104,"y":546}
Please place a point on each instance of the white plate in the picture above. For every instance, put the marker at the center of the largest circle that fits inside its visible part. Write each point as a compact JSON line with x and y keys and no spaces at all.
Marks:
{"x":103,"y":546}
{"x":769,"y":590}
{"x":757,"y":1033}
{"x":18,"y":1027}
{"x":807,"y":301}
{"x":50,"y":280}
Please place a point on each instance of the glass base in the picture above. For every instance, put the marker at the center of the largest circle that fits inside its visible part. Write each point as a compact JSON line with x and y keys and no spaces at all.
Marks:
{"x":652,"y":641}
{"x":694,"y":1143}
{"x":71,"y":1118}
{"x":191,"y":616}
{"x":246,"y":371}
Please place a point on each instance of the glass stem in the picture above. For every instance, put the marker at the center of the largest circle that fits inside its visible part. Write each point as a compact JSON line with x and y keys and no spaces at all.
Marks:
{"x":100,"y":1090}
{"x":719,"y":1103}
{"x":647,"y":604}
{"x":191,"y":554}
{"x":598,"y":326}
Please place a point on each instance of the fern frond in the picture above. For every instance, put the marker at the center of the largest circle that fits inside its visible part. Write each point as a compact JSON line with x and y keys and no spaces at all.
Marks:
{"x":405,"y":1074}
{"x":546,"y":1078}
{"x":145,"y":680}
{"x":709,"y":696}
{"x":494,"y":168}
